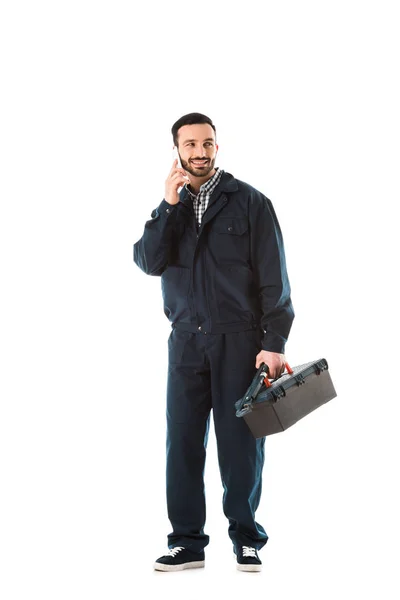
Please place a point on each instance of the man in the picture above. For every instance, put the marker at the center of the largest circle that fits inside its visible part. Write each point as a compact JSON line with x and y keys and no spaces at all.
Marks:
{"x":218,"y":248}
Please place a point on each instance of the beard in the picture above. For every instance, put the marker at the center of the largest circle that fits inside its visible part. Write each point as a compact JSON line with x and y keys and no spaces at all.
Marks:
{"x":198,"y":171}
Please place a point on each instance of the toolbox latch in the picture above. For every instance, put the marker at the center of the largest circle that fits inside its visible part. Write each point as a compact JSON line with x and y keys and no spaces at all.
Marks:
{"x":299,"y":379}
{"x":320,"y":366}
{"x":278,"y":393}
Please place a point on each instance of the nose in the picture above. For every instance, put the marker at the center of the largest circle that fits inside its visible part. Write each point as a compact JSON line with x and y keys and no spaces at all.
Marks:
{"x":199,"y":152}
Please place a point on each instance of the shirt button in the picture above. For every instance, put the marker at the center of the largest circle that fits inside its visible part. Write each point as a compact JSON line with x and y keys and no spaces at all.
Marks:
{"x":230,"y":228}
{"x":168,"y":210}
{"x":199,"y":328}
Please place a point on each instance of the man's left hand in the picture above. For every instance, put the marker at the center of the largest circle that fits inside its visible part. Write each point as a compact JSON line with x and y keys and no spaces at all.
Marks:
{"x":274,"y":360}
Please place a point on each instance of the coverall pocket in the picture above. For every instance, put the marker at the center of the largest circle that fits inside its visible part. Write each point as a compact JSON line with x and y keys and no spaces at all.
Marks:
{"x":229,"y":239}
{"x":231,"y":225}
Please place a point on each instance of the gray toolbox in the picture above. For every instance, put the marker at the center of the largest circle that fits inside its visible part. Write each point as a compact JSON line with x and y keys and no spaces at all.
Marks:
{"x":271,"y":407}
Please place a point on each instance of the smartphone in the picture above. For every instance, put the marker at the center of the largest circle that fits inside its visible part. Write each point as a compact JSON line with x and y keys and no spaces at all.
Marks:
{"x":176,"y":156}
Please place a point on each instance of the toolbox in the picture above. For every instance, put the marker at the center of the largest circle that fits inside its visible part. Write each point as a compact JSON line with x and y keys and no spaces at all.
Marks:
{"x":271,"y":407}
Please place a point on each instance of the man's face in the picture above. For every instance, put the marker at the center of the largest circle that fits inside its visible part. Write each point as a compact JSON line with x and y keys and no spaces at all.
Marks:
{"x":197,"y":149}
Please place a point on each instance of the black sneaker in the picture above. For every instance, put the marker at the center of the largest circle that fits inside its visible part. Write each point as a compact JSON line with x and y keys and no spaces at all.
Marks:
{"x":247,"y":559}
{"x":179,"y":558}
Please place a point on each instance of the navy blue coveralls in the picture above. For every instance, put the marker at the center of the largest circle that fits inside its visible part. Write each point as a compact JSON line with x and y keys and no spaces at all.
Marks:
{"x":226,"y":292}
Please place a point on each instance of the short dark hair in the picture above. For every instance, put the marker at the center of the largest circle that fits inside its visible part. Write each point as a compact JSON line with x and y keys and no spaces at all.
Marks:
{"x":190,"y":119}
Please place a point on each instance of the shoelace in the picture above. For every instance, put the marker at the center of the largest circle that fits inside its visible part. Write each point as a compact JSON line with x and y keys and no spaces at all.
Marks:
{"x":249,"y":551}
{"x":174,"y":551}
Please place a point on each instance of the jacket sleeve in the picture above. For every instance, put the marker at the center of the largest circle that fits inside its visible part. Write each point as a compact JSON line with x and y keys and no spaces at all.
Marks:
{"x":269,"y":267}
{"x":152,"y":252}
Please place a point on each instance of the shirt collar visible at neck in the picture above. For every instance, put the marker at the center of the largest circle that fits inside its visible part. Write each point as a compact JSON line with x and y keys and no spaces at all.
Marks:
{"x":207,"y":184}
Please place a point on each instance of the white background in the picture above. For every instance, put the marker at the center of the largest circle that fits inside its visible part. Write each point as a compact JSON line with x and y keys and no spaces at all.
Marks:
{"x":305,"y":99}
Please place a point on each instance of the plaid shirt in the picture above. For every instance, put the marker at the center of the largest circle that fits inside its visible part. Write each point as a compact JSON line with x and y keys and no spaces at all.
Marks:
{"x":200,"y":202}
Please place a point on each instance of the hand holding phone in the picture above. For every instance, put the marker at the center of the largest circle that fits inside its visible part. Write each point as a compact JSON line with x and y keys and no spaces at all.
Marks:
{"x":176,"y":180}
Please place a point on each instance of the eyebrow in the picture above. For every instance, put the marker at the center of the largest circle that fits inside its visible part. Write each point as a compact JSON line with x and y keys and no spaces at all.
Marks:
{"x":193,"y":140}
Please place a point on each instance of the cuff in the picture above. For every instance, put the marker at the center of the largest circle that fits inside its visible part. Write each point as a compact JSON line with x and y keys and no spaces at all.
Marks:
{"x":272,"y":342}
{"x":164,"y":208}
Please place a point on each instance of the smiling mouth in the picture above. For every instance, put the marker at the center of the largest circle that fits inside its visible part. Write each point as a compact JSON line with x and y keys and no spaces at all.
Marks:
{"x":199,"y":163}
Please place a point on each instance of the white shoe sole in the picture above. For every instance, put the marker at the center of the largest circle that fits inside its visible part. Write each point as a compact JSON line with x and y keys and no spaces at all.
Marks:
{"x":189,"y":565}
{"x":249,"y":568}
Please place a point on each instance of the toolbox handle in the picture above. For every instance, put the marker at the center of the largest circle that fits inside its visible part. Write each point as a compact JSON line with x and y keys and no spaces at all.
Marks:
{"x":267,"y":381}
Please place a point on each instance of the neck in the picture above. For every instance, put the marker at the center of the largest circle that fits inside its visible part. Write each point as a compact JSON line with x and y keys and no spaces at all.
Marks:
{"x":197,"y":182}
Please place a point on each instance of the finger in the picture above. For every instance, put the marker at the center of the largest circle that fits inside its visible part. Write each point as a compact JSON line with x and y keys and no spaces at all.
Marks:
{"x":177,"y":182}
{"x":174,"y":165}
{"x":179,"y":170}
{"x":179,"y":177}
{"x":275,"y":373}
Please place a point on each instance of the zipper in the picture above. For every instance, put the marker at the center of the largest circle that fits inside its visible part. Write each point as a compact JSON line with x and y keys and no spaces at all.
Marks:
{"x":198,"y":233}
{"x":194,"y":256}
{"x":205,"y":287}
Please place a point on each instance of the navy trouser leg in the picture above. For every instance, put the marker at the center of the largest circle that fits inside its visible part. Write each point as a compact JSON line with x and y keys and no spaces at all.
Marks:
{"x":204,"y":371}
{"x":188,"y":417}
{"x":241,"y":457}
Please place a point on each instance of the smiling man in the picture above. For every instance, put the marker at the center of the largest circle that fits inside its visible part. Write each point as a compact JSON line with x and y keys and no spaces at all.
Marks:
{"x":218,"y":248}
{"x":197,"y":155}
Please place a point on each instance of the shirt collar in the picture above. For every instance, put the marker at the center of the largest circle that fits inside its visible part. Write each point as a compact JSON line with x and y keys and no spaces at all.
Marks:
{"x":207,"y":184}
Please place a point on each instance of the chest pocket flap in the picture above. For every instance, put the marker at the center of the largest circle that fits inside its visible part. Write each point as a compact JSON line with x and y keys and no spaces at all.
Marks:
{"x":231,"y":225}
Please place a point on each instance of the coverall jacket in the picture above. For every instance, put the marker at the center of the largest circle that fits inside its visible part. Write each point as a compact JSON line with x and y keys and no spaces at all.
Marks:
{"x":226,"y":292}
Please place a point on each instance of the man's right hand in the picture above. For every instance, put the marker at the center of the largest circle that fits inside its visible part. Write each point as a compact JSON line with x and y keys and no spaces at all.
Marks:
{"x":176,"y":179}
